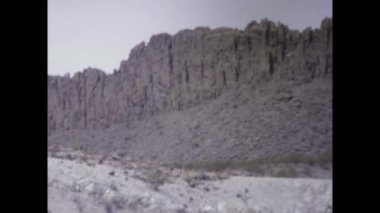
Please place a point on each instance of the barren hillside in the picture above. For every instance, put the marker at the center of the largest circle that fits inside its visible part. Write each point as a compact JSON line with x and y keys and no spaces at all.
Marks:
{"x":275,"y":119}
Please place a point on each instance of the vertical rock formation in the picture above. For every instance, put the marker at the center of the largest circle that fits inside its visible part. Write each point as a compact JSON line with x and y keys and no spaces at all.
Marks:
{"x":172,"y":73}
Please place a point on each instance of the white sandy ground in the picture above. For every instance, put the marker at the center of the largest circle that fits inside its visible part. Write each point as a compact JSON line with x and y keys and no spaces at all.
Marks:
{"x":75,"y":186}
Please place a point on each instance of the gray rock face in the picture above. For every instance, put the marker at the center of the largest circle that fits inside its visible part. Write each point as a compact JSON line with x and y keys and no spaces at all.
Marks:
{"x":172,"y":73}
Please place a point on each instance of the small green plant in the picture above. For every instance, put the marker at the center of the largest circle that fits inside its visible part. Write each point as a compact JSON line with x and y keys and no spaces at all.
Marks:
{"x":77,"y":146}
{"x":155,"y":177}
{"x":285,"y":172}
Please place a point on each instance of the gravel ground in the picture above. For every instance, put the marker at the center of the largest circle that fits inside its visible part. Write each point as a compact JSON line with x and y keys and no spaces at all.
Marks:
{"x":87,"y":186}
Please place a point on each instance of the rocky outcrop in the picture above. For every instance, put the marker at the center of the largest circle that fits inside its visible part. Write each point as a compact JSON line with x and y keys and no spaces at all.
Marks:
{"x":177,"y":72}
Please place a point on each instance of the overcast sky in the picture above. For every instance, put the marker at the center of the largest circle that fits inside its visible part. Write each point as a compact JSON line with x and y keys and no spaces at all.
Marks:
{"x":101,"y":33}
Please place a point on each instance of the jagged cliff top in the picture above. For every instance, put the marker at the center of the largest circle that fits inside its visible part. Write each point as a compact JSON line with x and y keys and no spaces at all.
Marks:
{"x":251,"y":27}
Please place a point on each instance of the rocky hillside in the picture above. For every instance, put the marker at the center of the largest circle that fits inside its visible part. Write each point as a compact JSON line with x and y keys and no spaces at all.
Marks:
{"x":276,"y":119}
{"x":173,"y":73}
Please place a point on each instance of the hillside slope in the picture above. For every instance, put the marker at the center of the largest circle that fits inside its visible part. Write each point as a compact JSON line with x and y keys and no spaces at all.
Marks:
{"x":280,"y":118}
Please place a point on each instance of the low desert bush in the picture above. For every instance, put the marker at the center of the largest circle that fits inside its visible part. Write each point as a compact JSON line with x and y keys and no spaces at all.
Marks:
{"x":287,"y":172}
{"x":259,"y":165}
{"x":155,"y":177}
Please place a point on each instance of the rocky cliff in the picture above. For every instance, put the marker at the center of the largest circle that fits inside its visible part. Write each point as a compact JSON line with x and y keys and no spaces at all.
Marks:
{"x":176,"y":72}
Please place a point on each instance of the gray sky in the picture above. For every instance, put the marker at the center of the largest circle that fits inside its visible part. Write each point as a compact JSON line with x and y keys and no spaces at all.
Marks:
{"x":101,"y":33}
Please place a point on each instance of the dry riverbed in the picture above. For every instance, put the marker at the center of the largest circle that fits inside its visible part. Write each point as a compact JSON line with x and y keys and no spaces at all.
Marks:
{"x":82,"y":183}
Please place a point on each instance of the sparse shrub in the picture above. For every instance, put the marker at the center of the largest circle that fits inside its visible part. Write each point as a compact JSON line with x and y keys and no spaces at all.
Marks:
{"x":191,"y":181}
{"x":261,"y":165}
{"x":181,"y":210}
{"x":177,"y":165}
{"x":310,"y":161}
{"x":113,"y":187}
{"x":103,"y":158}
{"x":195,"y":145}
{"x":291,"y":159}
{"x":69,"y":157}
{"x":108,"y":208}
{"x":118,"y":202}
{"x":306,"y":171}
{"x":291,"y":172}
{"x":281,"y":173}
{"x":155,"y":177}
{"x":211,"y":166}
{"x":324,"y":159}
{"x":77,"y":146}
